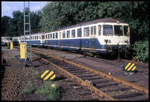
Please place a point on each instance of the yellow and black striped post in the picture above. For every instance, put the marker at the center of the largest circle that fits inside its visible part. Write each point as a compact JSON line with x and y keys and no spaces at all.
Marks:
{"x":48,"y":75}
{"x":130,"y":67}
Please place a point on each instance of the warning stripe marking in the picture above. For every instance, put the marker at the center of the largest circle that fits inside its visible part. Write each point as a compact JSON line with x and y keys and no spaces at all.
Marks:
{"x":53,"y":77}
{"x":44,"y":73}
{"x":130,"y":67}
{"x":48,"y":75}
{"x":134,"y":68}
{"x":127,"y":65}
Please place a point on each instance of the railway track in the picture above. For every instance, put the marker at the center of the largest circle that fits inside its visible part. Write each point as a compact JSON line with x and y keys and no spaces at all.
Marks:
{"x":106,"y":87}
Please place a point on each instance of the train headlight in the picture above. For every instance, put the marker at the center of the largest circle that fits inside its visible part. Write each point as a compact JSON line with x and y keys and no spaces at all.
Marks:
{"x":126,"y":41}
{"x":107,"y":41}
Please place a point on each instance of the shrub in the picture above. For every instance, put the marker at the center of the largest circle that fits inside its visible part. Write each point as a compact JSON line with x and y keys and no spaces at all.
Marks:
{"x":28,"y":89}
{"x":36,"y":74}
{"x":49,"y":90}
{"x":141,"y":51}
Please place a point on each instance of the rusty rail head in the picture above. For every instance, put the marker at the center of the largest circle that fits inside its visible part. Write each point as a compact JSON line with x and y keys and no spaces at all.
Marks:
{"x":140,"y":88}
{"x":83,"y":83}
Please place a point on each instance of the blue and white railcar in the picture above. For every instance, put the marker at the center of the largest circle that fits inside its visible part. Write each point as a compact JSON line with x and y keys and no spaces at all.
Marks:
{"x":102,"y":35}
{"x":36,"y":39}
{"x":5,"y":40}
{"x":52,"y":39}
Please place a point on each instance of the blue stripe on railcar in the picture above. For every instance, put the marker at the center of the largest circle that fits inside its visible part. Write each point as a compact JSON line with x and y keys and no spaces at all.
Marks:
{"x":35,"y":42}
{"x":83,"y":43}
{"x":51,"y":42}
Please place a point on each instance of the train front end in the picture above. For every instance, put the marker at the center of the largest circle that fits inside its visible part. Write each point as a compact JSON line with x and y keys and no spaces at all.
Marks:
{"x":115,"y":38}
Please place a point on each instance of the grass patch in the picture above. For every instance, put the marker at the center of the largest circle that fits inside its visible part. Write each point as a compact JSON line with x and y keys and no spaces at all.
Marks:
{"x":50,"y":90}
{"x":28,"y":89}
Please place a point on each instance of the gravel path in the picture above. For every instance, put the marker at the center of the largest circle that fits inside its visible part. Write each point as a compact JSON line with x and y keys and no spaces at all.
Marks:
{"x":16,"y":77}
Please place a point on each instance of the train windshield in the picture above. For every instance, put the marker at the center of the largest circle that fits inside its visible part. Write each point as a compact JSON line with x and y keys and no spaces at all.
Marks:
{"x":118,"y":30}
{"x":107,"y":30}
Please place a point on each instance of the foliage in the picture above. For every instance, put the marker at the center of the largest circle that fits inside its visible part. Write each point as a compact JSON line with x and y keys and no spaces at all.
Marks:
{"x":28,"y":89}
{"x":57,"y":15}
{"x":6,"y":26}
{"x":15,"y":26}
{"x":49,"y":90}
{"x":141,"y":51}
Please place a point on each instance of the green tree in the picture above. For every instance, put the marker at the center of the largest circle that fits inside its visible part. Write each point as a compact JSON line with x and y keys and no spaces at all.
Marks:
{"x":5,"y":24}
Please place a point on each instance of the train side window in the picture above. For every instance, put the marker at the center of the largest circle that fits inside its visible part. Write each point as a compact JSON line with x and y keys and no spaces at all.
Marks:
{"x":63,"y":34}
{"x":86,"y":31}
{"x":126,"y":32}
{"x":99,"y":29}
{"x":73,"y":33}
{"x":68,"y":34}
{"x":92,"y":30}
{"x":79,"y":32}
{"x":53,"y":36}
{"x":107,"y":30}
{"x":56,"y":35}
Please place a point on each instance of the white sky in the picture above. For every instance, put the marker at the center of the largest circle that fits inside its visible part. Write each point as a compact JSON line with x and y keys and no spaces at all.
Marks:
{"x":9,"y":7}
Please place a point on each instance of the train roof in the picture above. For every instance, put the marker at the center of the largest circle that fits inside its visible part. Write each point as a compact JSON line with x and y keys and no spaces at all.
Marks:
{"x":101,"y":20}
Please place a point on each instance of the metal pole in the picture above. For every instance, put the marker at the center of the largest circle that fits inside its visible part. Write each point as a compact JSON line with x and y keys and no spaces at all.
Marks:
{"x":27,"y":29}
{"x":24,"y":19}
{"x":30,"y":35}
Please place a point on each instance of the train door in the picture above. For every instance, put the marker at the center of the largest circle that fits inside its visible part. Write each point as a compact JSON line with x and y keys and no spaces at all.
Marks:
{"x":85,"y":42}
{"x":59,"y":39}
{"x":43,"y":39}
{"x":92,"y":40}
{"x":79,"y":34}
